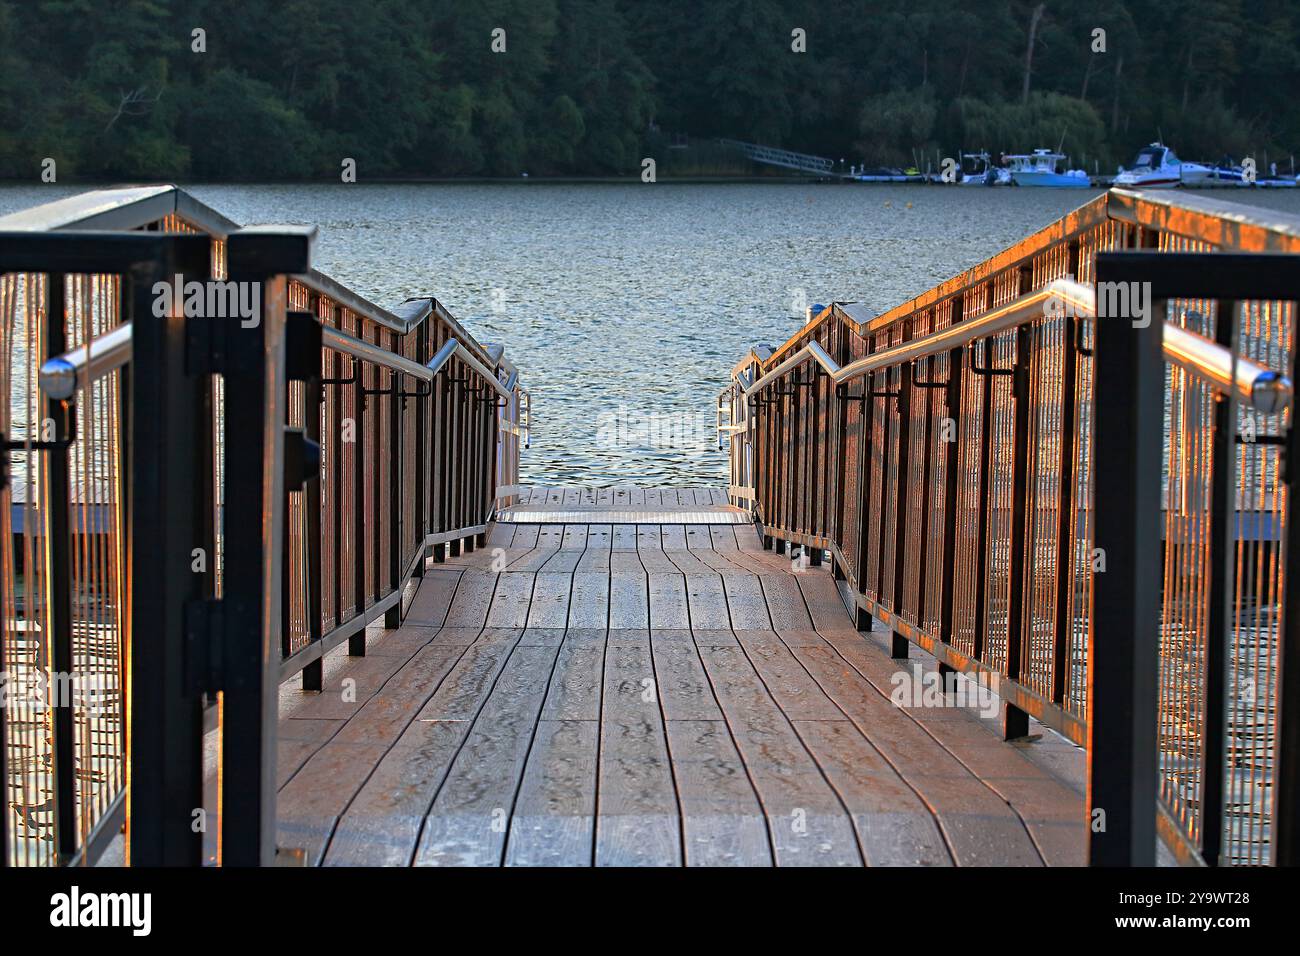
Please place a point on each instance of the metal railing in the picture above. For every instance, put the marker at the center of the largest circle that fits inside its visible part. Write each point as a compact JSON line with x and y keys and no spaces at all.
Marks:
{"x":187,"y":491}
{"x":972,"y":461}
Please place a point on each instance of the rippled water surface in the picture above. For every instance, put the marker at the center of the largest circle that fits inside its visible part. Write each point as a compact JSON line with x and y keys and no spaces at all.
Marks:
{"x":623,"y":302}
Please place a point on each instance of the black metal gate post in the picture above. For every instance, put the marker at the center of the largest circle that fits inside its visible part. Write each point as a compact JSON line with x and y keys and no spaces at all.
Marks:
{"x":249,"y":629}
{"x":1123,"y":637}
{"x":1286,"y":761}
{"x":168,"y":504}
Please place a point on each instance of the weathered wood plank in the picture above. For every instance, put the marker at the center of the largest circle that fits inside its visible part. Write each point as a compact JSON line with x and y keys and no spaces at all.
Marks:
{"x":549,"y":538}
{"x":629,"y":598}
{"x":469,"y":608}
{"x":637,"y":822}
{"x":707,"y":600}
{"x":746,"y":604}
{"x":979,"y":827}
{"x":796,"y":693}
{"x":469,"y":819}
{"x":894,"y":826}
{"x":785,"y":601}
{"x":722,"y":820}
{"x":589,"y":603}
{"x":824,"y":603}
{"x":672,"y":537}
{"x":668,"y":607}
{"x":550,"y":604}
{"x":752,"y":725}
{"x":382,"y":824}
{"x":511,"y":599}
{"x":554,"y":820}
{"x":807,"y":823}
{"x":433,"y":599}
{"x":600,"y":539}
{"x":683,"y":687}
{"x":319,"y":794}
{"x":575,"y":688}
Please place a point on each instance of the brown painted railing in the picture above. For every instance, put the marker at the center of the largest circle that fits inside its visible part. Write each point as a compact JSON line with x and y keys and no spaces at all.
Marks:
{"x":951,"y":455}
{"x":187,"y":492}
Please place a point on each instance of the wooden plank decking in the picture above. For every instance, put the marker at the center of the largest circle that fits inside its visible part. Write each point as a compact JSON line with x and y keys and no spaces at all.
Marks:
{"x":651,"y":692}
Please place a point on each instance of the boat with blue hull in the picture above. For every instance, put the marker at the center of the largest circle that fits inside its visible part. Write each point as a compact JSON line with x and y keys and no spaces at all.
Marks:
{"x":1040,"y":168}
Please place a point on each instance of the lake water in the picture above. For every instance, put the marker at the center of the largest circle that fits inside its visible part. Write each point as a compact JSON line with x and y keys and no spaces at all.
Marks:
{"x":621,"y":302}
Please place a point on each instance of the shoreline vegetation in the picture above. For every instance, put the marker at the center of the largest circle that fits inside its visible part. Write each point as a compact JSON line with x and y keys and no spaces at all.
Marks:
{"x":586,"y":90}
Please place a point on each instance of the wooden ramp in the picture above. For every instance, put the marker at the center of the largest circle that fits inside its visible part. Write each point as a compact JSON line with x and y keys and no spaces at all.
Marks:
{"x":657,"y":691}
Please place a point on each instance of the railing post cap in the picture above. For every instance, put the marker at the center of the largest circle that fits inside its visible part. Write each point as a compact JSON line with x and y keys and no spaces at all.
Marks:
{"x":58,"y":378}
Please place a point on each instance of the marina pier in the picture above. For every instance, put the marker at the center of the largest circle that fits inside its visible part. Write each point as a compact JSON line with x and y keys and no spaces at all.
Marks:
{"x":1000,"y":576}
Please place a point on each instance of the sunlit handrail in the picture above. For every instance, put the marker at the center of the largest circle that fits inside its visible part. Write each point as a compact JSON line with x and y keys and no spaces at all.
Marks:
{"x":1226,"y":225}
{"x":1062,"y":294}
{"x":1253,"y":384}
{"x":62,"y":376}
{"x":367,"y":352}
{"x":1261,"y":388}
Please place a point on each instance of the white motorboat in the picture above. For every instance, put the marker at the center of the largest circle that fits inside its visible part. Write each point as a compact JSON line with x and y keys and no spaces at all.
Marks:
{"x":1158,"y":167}
{"x":1039,"y":168}
{"x":983,"y":172}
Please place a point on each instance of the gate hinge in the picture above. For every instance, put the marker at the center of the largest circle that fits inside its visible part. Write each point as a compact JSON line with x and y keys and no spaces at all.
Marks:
{"x":301,"y":459}
{"x":204,"y":644}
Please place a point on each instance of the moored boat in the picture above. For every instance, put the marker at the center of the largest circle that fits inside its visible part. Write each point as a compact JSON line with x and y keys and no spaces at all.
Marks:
{"x":1158,"y":167}
{"x":1039,"y":168}
{"x":982,"y":172}
{"x":1228,"y":173}
{"x":887,"y":174}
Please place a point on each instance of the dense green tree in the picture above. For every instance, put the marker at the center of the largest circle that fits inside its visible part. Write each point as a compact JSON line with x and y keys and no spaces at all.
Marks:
{"x":416,"y":88}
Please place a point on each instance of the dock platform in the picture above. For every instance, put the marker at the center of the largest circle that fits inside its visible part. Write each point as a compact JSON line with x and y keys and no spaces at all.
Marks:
{"x":633,"y":685}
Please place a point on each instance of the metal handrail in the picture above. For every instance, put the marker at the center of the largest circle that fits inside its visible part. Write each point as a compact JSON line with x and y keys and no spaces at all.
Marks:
{"x":454,"y":347}
{"x":368,"y":352}
{"x":1232,"y":226}
{"x":62,"y":376}
{"x":1261,"y":388}
{"x":1062,"y":293}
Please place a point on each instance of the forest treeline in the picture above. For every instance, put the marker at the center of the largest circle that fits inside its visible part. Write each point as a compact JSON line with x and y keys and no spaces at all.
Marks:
{"x":431,"y":88}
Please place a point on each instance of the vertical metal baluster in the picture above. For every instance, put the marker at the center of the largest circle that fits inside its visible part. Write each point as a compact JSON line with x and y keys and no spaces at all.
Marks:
{"x":1221,"y":598}
{"x":422,"y":408}
{"x":360,"y":403}
{"x":952,"y":459}
{"x":922,"y":542}
{"x":58,"y":596}
{"x":379,"y":520}
{"x":396,"y":550}
{"x":1015,"y":722}
{"x":980,"y":623}
{"x":335,"y":461}
{"x":438,"y":453}
{"x":1067,"y":520}
{"x":903,"y":409}
{"x":865,"y":436}
{"x":455,"y":442}
{"x":313,"y":397}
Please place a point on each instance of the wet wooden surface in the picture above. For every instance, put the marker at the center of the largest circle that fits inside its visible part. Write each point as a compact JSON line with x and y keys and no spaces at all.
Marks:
{"x":654,"y":694}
